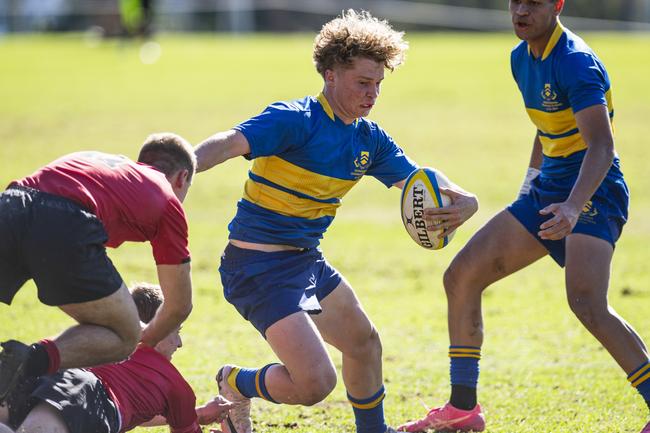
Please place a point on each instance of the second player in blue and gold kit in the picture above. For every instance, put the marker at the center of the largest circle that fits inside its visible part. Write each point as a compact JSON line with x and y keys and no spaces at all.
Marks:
{"x":307,"y":154}
{"x":572,"y":206}
{"x":566,"y":79}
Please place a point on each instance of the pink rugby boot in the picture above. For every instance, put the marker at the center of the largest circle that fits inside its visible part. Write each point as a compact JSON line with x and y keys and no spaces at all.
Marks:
{"x":449,"y":419}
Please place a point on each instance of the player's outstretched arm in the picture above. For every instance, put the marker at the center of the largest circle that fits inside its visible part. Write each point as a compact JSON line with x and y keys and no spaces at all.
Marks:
{"x":219,"y":148}
{"x":213,"y":411}
{"x":176,"y":285}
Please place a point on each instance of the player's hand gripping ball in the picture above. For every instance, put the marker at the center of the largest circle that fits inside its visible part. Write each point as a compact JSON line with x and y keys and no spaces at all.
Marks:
{"x":422,"y":191}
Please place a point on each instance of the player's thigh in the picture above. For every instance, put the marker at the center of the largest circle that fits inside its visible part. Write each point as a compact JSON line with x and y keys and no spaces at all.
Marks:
{"x":343,"y":323}
{"x":588,"y":265}
{"x":44,"y":419}
{"x":300,"y":347}
{"x":116,"y":311}
{"x":501,"y":247}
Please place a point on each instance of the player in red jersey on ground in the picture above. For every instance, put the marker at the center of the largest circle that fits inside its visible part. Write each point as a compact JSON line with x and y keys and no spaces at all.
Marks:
{"x":144,"y":390}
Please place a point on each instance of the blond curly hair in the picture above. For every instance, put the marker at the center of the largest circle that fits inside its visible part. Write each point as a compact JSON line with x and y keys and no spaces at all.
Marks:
{"x":358,"y":34}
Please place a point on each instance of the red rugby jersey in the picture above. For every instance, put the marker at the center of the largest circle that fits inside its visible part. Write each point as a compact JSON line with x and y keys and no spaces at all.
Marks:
{"x":134,"y":201}
{"x":146,"y":385}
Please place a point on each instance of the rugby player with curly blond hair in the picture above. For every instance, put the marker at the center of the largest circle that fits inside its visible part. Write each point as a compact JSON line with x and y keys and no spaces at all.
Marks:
{"x":308,"y":153}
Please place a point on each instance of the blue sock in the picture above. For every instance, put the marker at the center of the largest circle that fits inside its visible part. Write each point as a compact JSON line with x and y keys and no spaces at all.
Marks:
{"x":463,"y":367}
{"x":640,"y":379}
{"x":250,"y":382}
{"x":369,"y":412}
{"x":463,"y":370}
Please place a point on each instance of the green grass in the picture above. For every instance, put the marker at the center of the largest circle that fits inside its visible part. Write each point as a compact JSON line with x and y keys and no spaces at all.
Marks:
{"x":454,"y":106}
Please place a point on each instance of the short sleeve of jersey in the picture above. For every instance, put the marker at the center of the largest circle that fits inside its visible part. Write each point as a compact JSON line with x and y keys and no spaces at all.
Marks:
{"x":275,"y":130}
{"x":181,"y":415}
{"x":390,"y":164}
{"x":584,"y":80}
{"x":170,"y":245}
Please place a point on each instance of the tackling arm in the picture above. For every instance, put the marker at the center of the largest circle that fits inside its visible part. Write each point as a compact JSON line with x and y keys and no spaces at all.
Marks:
{"x":176,"y":285}
{"x":219,"y":148}
{"x":213,"y":411}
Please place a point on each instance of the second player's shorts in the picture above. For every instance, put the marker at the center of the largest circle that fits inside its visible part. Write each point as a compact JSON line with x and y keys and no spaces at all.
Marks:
{"x":267,"y":287}
{"x":80,"y":398}
{"x":57,"y":243}
{"x":602,"y":217}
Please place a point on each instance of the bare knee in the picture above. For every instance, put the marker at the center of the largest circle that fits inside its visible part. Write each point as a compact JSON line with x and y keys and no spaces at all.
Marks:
{"x":129,"y":332}
{"x":320,"y":385}
{"x":465,"y":279}
{"x":457,"y":280}
{"x":126,"y":325}
{"x":130,"y":339}
{"x":590,"y":309}
{"x":364,"y":346}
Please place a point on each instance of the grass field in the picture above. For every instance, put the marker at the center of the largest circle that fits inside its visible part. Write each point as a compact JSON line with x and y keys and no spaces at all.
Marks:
{"x":454,"y":106}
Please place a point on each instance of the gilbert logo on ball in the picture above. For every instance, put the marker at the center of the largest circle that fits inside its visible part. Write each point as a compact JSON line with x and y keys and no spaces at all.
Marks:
{"x":422,"y":191}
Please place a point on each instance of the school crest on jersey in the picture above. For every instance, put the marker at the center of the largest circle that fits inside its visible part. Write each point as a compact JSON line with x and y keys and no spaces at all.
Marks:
{"x":361,"y":163}
{"x":549,"y":98}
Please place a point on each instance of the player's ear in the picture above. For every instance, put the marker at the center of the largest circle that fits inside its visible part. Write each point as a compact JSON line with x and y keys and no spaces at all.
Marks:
{"x":180,"y":178}
{"x":328,"y":75}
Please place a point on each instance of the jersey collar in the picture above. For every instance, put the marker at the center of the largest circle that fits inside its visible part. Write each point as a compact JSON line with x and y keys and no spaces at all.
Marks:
{"x":328,"y":109}
{"x":326,"y":105}
{"x":552,"y":42}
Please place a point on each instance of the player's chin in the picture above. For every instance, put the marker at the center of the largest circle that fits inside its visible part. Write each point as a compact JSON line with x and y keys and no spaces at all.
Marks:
{"x":364,"y":111}
{"x":521,"y":31}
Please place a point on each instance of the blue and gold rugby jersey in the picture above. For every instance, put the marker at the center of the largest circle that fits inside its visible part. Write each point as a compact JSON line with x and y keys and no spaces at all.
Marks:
{"x":305,"y":161}
{"x":567,"y":78}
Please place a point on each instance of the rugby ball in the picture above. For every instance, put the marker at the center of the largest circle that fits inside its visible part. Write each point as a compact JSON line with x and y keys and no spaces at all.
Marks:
{"x":422,"y":191}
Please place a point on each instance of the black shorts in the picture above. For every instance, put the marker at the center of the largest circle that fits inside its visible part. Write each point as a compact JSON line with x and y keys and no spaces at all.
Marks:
{"x":80,"y":398}
{"x":57,"y":243}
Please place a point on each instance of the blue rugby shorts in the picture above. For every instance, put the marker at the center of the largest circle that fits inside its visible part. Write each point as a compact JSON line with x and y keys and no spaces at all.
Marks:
{"x":267,"y":287}
{"x":602,"y":217}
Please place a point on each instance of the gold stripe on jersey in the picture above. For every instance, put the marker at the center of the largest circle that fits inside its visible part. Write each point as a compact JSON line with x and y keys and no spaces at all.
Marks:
{"x":286,"y":203}
{"x":559,"y":123}
{"x":295,"y":178}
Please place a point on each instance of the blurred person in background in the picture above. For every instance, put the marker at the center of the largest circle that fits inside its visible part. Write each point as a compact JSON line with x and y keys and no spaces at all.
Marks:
{"x":137,"y":17}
